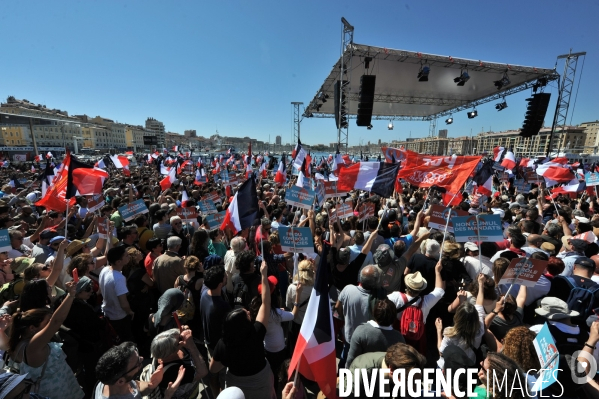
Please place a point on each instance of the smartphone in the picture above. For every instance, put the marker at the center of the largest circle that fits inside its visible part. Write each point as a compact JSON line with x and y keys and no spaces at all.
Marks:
{"x":75,"y":276}
{"x":176,"y":317}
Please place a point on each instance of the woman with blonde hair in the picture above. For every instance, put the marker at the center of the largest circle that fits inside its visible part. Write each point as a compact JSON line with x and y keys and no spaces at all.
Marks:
{"x":305,"y":277}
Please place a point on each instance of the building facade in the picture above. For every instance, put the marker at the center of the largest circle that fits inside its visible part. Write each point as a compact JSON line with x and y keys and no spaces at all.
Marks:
{"x":157,"y":127}
{"x":591,"y":130}
{"x":278,"y":140}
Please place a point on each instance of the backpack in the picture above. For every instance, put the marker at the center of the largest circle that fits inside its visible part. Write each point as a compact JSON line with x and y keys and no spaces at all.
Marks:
{"x":582,"y":300}
{"x":11,"y":290}
{"x":187,"y":311}
{"x":412,"y":320}
{"x":241,"y":293}
{"x":145,"y":376}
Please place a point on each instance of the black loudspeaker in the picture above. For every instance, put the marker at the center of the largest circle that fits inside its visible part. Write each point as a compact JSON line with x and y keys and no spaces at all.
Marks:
{"x":366,"y":100}
{"x":338,"y":103}
{"x":535,"y":114}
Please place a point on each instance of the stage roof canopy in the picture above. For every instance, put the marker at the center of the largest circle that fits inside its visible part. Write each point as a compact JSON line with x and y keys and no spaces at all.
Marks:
{"x":399,"y":95}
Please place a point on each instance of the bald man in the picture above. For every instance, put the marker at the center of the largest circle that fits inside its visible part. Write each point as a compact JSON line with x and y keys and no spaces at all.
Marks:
{"x":595,"y":276}
{"x":533,"y":244}
{"x":354,"y":304}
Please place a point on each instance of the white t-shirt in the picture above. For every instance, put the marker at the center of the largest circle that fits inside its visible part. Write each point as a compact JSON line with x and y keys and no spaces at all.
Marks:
{"x":112,"y":284}
{"x":274,"y":340}
{"x":429,"y":301}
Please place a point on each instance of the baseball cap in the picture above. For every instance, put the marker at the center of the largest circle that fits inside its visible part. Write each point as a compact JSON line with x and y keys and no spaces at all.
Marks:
{"x":48,"y":233}
{"x":56,"y":239}
{"x":585,"y":262}
{"x":470,"y":246}
{"x":21,"y":263}
{"x":272,"y":283}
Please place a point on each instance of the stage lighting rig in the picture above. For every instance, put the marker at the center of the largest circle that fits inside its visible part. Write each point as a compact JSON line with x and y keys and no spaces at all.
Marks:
{"x":472,"y":114}
{"x":390,"y":126}
{"x":504,"y":81}
{"x":423,"y":73}
{"x":540,"y":83}
{"x":369,"y":127}
{"x":463,"y":78}
{"x":501,"y":106}
{"x":449,"y":120}
{"x":367,"y":62}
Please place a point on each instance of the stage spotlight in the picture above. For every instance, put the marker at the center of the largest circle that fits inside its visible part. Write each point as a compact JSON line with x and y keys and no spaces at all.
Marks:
{"x":449,"y":120}
{"x":369,"y":127}
{"x":367,"y":62}
{"x":390,"y":127}
{"x":324,"y":97}
{"x":463,"y":78}
{"x":501,"y":106}
{"x":472,"y":114}
{"x":504,"y":81}
{"x":423,"y":73}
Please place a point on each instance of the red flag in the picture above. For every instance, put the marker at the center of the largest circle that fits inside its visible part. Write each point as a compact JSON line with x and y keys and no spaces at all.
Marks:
{"x":447,"y":172}
{"x":451,"y":199}
{"x":55,"y":198}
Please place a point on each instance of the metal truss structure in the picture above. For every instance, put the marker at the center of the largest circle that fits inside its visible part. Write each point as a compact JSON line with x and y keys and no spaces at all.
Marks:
{"x":296,"y":120}
{"x":565,"y":93}
{"x":458,"y":105}
{"x":347,"y":41}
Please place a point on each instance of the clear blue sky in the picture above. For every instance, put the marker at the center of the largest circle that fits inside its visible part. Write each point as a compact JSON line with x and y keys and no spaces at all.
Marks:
{"x":237,"y":65}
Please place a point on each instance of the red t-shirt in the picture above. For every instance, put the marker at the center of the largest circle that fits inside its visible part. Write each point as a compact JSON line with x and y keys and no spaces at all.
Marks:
{"x":149,"y":262}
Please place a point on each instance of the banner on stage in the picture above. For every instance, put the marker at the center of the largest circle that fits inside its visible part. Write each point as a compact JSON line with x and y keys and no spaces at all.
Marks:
{"x":488,"y":228}
{"x":302,"y":236}
{"x":129,"y":211}
{"x":439,"y":216}
{"x":300,"y":197}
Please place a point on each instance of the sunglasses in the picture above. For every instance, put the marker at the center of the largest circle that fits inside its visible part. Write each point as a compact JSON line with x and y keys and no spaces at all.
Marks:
{"x":140,"y":361}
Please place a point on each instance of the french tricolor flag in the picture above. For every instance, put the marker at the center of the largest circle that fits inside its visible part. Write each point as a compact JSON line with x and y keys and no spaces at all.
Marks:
{"x":498,"y":153}
{"x":509,"y":160}
{"x":281,"y":175}
{"x":376,"y":177}
{"x":184,"y":199}
{"x":314,"y":354}
{"x":555,"y":172}
{"x":169,"y":179}
{"x":200,"y":177}
{"x":243,"y":210}
{"x":176,"y":148}
{"x":484,"y":179}
{"x":263,"y":172}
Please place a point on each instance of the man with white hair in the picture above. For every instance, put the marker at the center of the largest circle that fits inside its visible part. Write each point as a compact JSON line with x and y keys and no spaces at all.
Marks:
{"x":238,"y":244}
{"x":168,"y":266}
{"x":177,"y":230}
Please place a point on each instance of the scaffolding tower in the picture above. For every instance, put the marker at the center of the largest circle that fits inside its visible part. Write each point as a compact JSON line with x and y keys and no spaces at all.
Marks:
{"x":296,"y":121}
{"x":347,"y":41}
{"x":566,"y":84}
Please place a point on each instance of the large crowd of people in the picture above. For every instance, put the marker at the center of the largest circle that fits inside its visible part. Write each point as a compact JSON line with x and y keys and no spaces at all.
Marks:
{"x":163,"y":307}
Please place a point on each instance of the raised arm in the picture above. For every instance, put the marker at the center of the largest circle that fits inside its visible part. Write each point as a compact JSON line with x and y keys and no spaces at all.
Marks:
{"x":417,"y":223}
{"x":36,"y":355}
{"x":521,"y":298}
{"x":58,"y":263}
{"x":368,"y":245}
{"x":480,"y":298}
{"x":264,"y":311}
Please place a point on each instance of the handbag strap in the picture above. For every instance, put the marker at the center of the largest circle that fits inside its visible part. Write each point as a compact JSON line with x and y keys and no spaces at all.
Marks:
{"x":406,"y":305}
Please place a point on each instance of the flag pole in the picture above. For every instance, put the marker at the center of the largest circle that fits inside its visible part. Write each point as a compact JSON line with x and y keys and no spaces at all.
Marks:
{"x":66,"y":222}
{"x":517,"y":275}
{"x":445,"y":232}
{"x":480,"y":263}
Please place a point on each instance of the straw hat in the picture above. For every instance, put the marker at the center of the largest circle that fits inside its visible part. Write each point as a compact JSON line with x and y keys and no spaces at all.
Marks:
{"x":415,"y":282}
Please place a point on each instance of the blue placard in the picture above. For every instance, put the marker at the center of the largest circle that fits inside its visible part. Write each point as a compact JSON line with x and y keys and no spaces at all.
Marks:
{"x":591,"y":179}
{"x":215,"y":220}
{"x":489,"y":228}
{"x":548,"y":357}
{"x":129,"y":211}
{"x":207,"y":207}
{"x":4,"y":241}
{"x":522,"y":186}
{"x":302,"y":237}
{"x":320,"y":193}
{"x":299,"y":197}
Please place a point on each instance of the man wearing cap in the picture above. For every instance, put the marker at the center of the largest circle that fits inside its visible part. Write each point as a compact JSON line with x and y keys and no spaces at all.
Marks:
{"x":471,"y":263}
{"x":41,"y":250}
{"x":574,"y":249}
{"x":415,"y":285}
{"x":561,"y":285}
{"x":559,"y":320}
